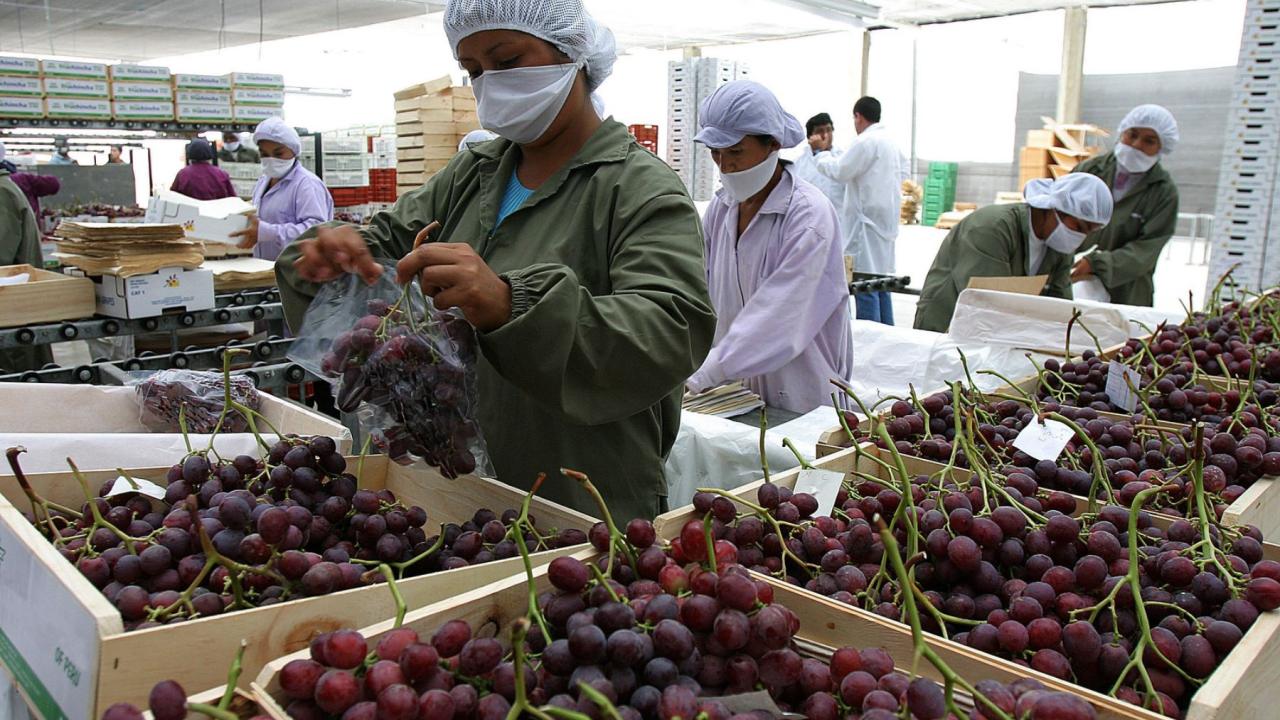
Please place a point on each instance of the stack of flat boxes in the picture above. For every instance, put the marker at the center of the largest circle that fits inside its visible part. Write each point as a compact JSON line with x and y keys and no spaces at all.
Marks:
{"x":1034,"y":158}
{"x":202,"y":98}
{"x":21,"y":88}
{"x":689,"y":82}
{"x":141,"y":93}
{"x":1246,"y":233}
{"x":345,"y":167}
{"x":431,"y":119}
{"x":256,"y":96}
{"x":76,"y":90}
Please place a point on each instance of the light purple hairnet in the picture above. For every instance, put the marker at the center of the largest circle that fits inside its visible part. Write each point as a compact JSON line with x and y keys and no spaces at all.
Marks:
{"x":741,"y":108}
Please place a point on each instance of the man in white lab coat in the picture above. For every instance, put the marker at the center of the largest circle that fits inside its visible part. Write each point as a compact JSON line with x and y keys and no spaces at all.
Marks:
{"x":873,"y":170}
{"x":806,"y":164}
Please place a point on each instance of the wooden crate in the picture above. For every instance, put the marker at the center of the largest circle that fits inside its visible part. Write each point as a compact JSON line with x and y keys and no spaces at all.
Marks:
{"x":1231,"y":692}
{"x":48,"y":607}
{"x":824,"y":626}
{"x":44,"y":297}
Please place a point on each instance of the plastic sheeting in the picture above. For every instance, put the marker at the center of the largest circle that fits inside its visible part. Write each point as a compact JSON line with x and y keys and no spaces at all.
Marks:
{"x":715,"y":452}
{"x":1040,"y":323}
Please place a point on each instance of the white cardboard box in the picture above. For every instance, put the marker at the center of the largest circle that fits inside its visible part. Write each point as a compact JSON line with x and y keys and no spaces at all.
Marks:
{"x":188,"y":81}
{"x":74,"y":69}
{"x":199,"y":112}
{"x":257,"y":96}
{"x":142,"y":110}
{"x":76,"y":88}
{"x":21,"y":107}
{"x":135,"y":90}
{"x":256,"y":113}
{"x":25,"y":86}
{"x":205,"y":97}
{"x":10,"y":65}
{"x":171,"y":289}
{"x":207,"y":220}
{"x":78,"y":108}
{"x":262,"y":80}
{"x":143,"y":73}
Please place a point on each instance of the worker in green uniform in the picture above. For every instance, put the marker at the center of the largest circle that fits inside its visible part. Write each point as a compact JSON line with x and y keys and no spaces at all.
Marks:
{"x":19,"y":244}
{"x":1146,"y":207}
{"x":1036,"y":237}
{"x":575,"y":253}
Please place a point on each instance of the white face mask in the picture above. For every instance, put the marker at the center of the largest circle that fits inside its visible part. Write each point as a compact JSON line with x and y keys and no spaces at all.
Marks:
{"x":1063,"y":239}
{"x":521,"y":103}
{"x":231,"y":146}
{"x":276,"y":168}
{"x":1133,"y":160}
{"x":740,"y":186}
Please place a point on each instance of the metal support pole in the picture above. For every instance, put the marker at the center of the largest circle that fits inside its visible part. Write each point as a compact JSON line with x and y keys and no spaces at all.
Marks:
{"x":866,"y":62}
{"x":1071,"y":75}
{"x":915,"y":56}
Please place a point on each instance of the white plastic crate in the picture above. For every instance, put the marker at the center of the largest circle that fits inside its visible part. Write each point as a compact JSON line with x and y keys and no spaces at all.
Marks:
{"x":340,"y":163}
{"x":346,"y":178}
{"x":344,"y":145}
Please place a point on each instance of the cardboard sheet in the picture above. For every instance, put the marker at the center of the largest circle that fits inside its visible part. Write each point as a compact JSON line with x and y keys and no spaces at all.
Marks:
{"x":1032,"y":285}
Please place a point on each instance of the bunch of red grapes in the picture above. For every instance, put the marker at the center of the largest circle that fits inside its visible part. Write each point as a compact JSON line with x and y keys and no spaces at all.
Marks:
{"x":1006,"y":582}
{"x":419,"y":373}
{"x":294,"y":525}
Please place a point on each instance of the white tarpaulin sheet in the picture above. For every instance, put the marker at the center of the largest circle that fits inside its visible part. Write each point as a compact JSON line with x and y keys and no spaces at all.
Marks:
{"x":720,"y":453}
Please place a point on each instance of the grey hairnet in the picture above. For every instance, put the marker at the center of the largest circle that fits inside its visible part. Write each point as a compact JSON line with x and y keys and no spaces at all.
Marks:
{"x":276,"y":130}
{"x":741,"y":108}
{"x":1079,"y":195}
{"x":1158,"y":119}
{"x":565,"y":24}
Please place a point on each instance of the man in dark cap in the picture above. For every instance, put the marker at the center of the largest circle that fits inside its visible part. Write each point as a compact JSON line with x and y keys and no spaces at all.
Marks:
{"x":201,"y":179}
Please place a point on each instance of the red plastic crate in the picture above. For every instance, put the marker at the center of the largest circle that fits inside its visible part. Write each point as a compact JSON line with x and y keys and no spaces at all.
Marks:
{"x":646,"y":136}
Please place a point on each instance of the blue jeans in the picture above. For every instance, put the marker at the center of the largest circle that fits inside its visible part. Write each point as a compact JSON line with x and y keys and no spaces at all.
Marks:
{"x":876,"y":307}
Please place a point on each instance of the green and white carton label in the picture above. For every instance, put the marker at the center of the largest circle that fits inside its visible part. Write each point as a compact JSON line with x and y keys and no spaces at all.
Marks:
{"x":145,"y":73}
{"x":78,"y":108}
{"x":262,"y":80}
{"x":203,"y":97}
{"x":74,"y":87}
{"x":188,"y":81}
{"x":257,"y":96}
{"x":142,"y":110}
{"x":21,"y":107}
{"x":128,"y":90}
{"x":14,"y":85}
{"x":74,"y":69}
{"x":10,"y":65}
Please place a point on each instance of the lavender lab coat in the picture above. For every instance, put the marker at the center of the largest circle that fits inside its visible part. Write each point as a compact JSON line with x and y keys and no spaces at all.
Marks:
{"x":285,"y":211}
{"x":781,"y":300}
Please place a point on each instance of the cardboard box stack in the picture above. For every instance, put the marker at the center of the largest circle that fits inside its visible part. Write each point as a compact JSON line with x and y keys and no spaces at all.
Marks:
{"x":256,"y":96}
{"x":431,"y":119}
{"x":1055,"y":150}
{"x":141,"y":92}
{"x":359,"y":169}
{"x":202,"y":98}
{"x":76,"y":90}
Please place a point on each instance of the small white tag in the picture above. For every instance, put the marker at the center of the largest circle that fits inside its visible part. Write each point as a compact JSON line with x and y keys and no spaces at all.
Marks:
{"x":823,"y":485}
{"x":1043,"y":441}
{"x":123,"y":485}
{"x":1117,"y":387}
{"x":746,"y":703}
{"x":18,"y":279}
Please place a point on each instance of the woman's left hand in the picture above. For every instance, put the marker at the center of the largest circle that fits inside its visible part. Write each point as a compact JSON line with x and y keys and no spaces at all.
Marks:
{"x":453,"y":275}
{"x":249,"y":235}
{"x":1082,"y":270}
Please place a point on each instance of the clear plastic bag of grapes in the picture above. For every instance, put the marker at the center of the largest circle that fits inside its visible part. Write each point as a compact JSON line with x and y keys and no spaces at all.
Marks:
{"x":163,"y":395}
{"x":404,"y":368}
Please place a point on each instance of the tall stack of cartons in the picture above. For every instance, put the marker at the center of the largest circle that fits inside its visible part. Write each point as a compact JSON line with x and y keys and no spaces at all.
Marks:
{"x":21,"y":88}
{"x":689,"y":82}
{"x":256,"y":96}
{"x":76,"y":90}
{"x":431,"y":119}
{"x":142,"y":93}
{"x":202,"y":98}
{"x":1055,"y":150}
{"x":1246,"y":233}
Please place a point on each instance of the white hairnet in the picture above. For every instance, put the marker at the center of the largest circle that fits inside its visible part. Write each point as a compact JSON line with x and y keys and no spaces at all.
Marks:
{"x":1157,"y":118}
{"x":276,"y":130}
{"x":475,"y":136}
{"x":563,"y":23}
{"x":741,"y":108}
{"x":1080,"y":195}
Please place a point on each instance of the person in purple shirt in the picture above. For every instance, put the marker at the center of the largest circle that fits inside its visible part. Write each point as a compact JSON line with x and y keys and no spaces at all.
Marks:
{"x":775,"y":266}
{"x":201,"y":179}
{"x":33,"y":187}
{"x":289,"y":197}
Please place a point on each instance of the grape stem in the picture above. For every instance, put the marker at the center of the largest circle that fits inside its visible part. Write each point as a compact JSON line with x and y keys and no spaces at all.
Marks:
{"x":401,"y":607}
{"x":98,"y":521}
{"x":767,"y":518}
{"x":521,"y":705}
{"x":233,"y":677}
{"x":711,"y":543}
{"x":616,"y":539}
{"x":522,"y":521}
{"x":212,"y":711}
{"x":602,"y":702}
{"x":39,"y":506}
{"x":804,"y":464}
{"x":764,"y":459}
{"x":922,"y":649}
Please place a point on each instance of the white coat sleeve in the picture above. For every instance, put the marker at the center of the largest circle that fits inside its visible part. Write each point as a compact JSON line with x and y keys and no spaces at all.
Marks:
{"x":760,"y":340}
{"x":855,"y":161}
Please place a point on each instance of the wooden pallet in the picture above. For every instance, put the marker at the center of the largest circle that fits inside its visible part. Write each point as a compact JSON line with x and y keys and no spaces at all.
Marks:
{"x":824,"y":626}
{"x":112,"y":665}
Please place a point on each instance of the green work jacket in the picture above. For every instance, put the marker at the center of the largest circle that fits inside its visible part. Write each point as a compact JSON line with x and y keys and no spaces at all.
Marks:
{"x":1128,"y":248}
{"x":610,"y":312}
{"x":992,"y":242}
{"x":243,"y":154}
{"x":19,"y":244}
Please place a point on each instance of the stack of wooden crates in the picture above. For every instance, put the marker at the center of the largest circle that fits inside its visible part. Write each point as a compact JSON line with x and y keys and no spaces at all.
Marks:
{"x":431,"y":119}
{"x":1055,"y":150}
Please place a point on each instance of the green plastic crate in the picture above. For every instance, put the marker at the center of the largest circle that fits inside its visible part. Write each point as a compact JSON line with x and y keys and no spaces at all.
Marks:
{"x":939,"y":191}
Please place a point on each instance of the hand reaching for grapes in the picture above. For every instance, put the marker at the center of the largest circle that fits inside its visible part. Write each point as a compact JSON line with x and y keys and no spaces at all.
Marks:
{"x":453,"y":275}
{"x":334,"y":251}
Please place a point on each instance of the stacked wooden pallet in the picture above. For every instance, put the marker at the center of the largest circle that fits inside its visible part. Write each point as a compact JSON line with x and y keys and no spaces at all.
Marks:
{"x":431,"y":119}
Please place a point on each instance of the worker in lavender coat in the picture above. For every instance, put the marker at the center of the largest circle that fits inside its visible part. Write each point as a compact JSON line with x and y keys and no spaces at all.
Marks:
{"x":290,"y":199}
{"x":775,"y":266}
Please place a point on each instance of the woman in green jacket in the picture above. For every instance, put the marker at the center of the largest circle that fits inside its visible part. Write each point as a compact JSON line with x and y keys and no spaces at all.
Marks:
{"x":19,"y":245}
{"x":1146,"y":211}
{"x":576,"y":254}
{"x":1027,"y":239}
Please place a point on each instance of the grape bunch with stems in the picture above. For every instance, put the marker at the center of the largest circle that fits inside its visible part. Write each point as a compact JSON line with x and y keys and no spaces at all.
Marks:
{"x":237,"y":533}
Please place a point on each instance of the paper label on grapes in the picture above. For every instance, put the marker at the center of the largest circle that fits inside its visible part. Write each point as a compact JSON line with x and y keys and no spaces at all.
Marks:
{"x":824,"y":485}
{"x":124,"y":485}
{"x":1044,"y":441}
{"x":48,"y":637}
{"x":1120,"y":379}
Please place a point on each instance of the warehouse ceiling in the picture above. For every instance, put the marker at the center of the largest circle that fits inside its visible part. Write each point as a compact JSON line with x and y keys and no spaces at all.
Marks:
{"x":132,"y":30}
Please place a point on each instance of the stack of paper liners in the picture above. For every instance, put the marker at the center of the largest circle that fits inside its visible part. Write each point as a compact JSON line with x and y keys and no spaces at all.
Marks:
{"x":431,"y":119}
{"x":126,"y":249}
{"x":729,"y":400}
{"x":241,"y":273}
